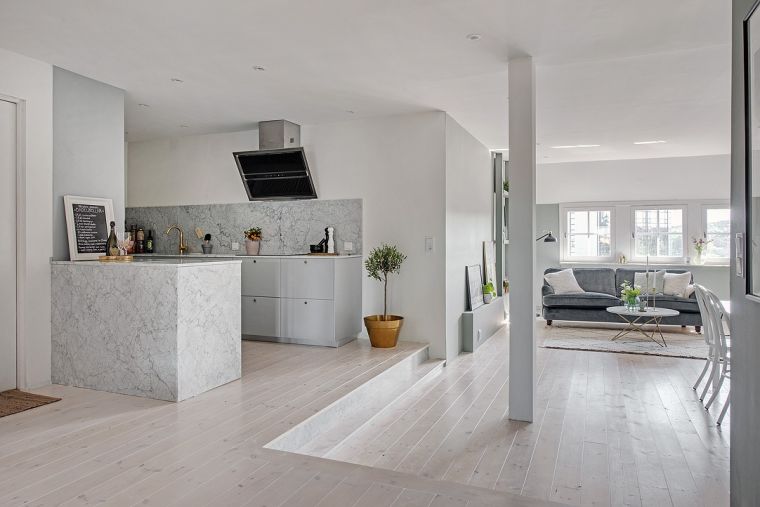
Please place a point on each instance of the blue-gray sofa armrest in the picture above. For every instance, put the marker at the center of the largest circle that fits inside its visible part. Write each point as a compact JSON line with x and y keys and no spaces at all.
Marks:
{"x":546,"y":289}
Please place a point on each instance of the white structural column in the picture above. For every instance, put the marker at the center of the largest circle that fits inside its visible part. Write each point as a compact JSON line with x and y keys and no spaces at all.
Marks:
{"x":521,"y":253}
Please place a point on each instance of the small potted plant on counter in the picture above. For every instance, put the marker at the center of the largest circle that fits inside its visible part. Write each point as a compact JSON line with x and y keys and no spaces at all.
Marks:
{"x":489,"y":293}
{"x":383,"y":329}
{"x":253,"y":241}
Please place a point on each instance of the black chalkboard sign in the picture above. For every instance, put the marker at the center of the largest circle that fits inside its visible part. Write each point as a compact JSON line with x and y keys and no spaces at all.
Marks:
{"x":90,"y":227}
{"x":87,"y":220}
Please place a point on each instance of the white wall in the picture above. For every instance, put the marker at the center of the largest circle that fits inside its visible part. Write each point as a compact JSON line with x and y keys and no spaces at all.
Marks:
{"x":396,"y":164}
{"x":469,"y":217}
{"x":88,"y":147}
{"x":706,"y":177}
{"x":187,"y":170}
{"x":32,"y":81}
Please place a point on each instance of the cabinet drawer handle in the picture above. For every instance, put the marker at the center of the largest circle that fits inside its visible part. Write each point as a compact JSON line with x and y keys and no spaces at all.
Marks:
{"x":305,"y":262}
{"x":254,"y":261}
{"x":254,"y":300}
{"x":306,"y":302}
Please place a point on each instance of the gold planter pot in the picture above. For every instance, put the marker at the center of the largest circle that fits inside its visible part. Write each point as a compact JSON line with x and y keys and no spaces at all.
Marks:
{"x":383,"y":330}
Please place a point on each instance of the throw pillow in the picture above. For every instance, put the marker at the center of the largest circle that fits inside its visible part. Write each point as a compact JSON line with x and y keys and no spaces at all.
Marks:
{"x":656,"y":281}
{"x":676,"y":283}
{"x":563,"y":282}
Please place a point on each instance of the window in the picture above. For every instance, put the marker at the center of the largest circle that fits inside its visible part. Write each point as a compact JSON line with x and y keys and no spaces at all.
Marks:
{"x":658,"y":233}
{"x":717,"y":232}
{"x":588,"y":234}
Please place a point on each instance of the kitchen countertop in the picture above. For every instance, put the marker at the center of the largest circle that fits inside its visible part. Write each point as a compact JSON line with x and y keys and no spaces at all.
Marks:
{"x":240,"y":256}
{"x":154,"y":261}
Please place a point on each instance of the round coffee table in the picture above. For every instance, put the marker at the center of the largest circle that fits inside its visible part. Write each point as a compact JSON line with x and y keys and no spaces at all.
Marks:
{"x":636,"y":321}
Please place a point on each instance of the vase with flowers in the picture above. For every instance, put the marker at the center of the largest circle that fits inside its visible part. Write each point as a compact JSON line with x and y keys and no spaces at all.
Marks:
{"x":630,"y":295}
{"x":253,"y":241}
{"x":700,"y":245}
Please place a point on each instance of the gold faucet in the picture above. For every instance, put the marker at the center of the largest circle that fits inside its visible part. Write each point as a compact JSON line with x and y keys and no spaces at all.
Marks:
{"x":182,"y":244}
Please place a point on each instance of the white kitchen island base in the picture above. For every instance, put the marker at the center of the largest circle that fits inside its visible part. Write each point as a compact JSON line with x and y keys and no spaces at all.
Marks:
{"x":166,"y":329}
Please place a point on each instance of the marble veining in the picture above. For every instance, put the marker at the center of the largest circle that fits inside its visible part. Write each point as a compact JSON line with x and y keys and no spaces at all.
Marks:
{"x":289,"y":227}
{"x":163,"y":331}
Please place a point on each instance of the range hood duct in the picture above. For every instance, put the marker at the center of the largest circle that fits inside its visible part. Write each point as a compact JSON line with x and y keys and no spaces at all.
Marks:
{"x":278,"y":169}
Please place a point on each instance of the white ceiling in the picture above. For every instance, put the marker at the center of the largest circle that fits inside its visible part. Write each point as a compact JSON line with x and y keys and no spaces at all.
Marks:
{"x":608,"y":72}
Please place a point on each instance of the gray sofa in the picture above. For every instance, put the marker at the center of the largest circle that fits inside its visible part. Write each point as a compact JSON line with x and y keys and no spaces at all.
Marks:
{"x":602,"y":286}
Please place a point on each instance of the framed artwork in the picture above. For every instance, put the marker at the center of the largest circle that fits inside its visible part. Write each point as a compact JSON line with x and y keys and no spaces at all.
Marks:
{"x":87,"y":225}
{"x":489,"y":262}
{"x":474,"y":287}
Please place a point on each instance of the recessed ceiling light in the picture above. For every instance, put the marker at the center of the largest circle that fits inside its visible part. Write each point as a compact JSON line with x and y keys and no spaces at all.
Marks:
{"x":658,"y":141}
{"x":177,"y":80}
{"x":259,"y":68}
{"x":474,"y":36}
{"x":565,"y":146}
{"x":143,"y":105}
{"x":184,"y":126}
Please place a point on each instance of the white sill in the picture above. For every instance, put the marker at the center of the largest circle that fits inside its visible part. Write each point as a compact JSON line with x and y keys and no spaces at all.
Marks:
{"x":641,"y":265}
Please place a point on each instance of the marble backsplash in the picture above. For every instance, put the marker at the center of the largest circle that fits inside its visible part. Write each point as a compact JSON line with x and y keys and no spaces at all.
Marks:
{"x":288,"y":227}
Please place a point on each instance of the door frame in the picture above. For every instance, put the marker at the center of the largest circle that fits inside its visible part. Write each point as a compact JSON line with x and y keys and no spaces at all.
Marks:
{"x":20,"y":237}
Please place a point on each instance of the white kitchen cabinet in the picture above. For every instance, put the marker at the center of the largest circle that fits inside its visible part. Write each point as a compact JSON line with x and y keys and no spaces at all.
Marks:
{"x":261,"y":317}
{"x":313,"y":300}
{"x":261,"y":277}
{"x":309,"y":321}
{"x":307,"y":278}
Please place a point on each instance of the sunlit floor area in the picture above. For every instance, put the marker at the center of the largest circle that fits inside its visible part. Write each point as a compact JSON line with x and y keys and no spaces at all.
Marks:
{"x":610,"y":429}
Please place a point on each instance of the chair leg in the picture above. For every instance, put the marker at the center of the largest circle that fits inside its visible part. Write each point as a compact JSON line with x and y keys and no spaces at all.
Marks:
{"x":715,"y":365}
{"x":715,"y":393}
{"x":725,"y":408}
{"x":701,"y":375}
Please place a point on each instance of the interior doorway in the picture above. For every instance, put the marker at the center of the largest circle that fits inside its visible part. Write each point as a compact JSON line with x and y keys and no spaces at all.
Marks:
{"x":8,"y":252}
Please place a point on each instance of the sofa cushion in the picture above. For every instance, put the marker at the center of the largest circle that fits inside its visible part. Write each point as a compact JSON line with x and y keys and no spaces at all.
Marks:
{"x":601,"y":280}
{"x":629,"y":274}
{"x":676,"y":284}
{"x":581,"y":300}
{"x":563,"y":282}
{"x":688,"y":305}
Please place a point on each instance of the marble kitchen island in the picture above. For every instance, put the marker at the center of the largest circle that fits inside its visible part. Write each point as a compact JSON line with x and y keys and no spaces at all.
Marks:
{"x":167,"y":329}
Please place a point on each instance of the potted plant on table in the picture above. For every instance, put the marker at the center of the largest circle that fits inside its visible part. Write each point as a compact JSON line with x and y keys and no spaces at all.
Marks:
{"x":253,"y":241}
{"x":383,"y":329}
{"x":630,"y":295}
{"x":489,"y":292}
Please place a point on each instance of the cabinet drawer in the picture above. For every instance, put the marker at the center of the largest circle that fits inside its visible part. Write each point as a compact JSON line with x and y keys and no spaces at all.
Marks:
{"x":261,"y":277}
{"x":261,"y":316}
{"x":310,"y":320}
{"x":307,"y":278}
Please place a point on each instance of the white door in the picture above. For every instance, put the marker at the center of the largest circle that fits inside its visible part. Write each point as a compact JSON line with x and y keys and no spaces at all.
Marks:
{"x":7,"y":245}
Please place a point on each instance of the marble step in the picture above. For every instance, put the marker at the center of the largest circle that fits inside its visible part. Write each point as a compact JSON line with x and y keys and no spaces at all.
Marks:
{"x":320,"y":433}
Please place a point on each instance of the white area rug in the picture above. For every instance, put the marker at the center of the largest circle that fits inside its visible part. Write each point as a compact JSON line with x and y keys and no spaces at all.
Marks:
{"x":597,"y":337}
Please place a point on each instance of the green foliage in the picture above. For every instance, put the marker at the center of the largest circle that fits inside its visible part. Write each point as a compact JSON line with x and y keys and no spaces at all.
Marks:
{"x":628,"y":291}
{"x":382,"y":261}
{"x":254,"y":233}
{"x":506,"y":185}
{"x":489,"y":289}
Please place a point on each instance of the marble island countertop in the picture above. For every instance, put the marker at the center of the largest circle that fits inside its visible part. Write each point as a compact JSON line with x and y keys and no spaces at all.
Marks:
{"x":243,"y":256}
{"x":155,"y":261}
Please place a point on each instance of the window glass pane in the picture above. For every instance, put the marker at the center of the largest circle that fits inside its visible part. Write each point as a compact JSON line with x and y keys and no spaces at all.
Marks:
{"x":589,"y":233}
{"x":717,"y":232}
{"x":658,"y":233}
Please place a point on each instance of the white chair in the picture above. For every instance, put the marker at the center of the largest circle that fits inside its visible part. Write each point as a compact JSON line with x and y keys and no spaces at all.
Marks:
{"x":701,"y":294}
{"x":721,"y":321}
{"x":718,"y":357}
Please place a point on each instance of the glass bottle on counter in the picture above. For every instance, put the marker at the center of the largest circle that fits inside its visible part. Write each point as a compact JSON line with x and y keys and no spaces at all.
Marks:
{"x":149,"y":242}
{"x":112,"y":245}
{"x":140,"y":241}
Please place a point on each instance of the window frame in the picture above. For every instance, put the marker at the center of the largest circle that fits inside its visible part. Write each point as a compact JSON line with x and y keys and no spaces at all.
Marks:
{"x":703,"y":232}
{"x":684,"y":234}
{"x":564,"y":235}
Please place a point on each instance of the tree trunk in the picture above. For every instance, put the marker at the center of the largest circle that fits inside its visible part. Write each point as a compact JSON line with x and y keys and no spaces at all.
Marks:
{"x":385,"y":298}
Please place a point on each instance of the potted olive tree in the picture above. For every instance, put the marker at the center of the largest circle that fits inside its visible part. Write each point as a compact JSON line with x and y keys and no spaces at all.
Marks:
{"x":383,"y":329}
{"x":253,"y":241}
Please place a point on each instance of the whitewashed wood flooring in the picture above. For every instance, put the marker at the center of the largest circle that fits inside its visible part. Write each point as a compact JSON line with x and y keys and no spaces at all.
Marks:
{"x":610,"y":429}
{"x":95,"y":448}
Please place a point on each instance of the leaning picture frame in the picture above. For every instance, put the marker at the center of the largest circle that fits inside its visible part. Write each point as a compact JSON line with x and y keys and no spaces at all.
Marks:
{"x":87,"y":226}
{"x":474,"y":284}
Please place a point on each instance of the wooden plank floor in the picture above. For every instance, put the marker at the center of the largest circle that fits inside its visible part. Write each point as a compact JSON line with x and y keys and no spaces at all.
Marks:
{"x":610,"y":429}
{"x":108,"y":449}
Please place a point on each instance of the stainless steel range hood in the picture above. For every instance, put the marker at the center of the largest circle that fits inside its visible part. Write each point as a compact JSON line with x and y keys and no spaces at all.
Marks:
{"x":278,"y":170}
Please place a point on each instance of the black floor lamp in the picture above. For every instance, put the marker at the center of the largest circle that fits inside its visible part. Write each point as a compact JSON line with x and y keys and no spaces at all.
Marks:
{"x":548,"y":238}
